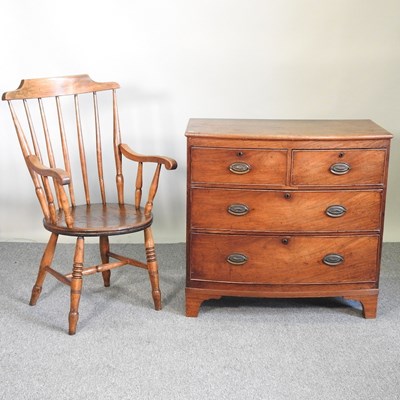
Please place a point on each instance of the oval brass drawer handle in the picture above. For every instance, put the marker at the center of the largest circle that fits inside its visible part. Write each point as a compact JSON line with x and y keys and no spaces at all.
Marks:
{"x":335,"y":211}
{"x":237,"y":259}
{"x":239,"y":168}
{"x":340,"y":168}
{"x":238,"y":209}
{"x":333,"y":259}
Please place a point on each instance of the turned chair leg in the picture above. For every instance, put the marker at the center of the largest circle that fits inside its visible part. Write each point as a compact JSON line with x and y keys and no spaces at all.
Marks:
{"x":76,"y":285}
{"x":152,"y":268}
{"x":104,"y":250}
{"x":46,"y":261}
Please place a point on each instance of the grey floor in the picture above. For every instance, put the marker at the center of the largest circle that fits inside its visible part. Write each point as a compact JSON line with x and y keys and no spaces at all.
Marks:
{"x":236,"y":348}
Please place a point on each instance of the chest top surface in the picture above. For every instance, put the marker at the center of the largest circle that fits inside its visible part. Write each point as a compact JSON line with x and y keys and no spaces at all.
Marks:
{"x":274,"y":129}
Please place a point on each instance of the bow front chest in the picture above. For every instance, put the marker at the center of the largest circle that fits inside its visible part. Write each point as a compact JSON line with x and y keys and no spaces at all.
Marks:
{"x":285,"y":208}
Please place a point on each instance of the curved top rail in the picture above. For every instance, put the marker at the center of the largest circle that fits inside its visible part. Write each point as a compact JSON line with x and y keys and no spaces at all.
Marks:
{"x":57,"y":86}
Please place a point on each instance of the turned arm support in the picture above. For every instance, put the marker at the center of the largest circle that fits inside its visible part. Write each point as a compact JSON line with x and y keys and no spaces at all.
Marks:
{"x":61,"y":176}
{"x":169,"y":163}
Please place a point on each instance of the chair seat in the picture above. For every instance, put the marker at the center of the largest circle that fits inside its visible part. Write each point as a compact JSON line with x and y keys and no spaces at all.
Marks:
{"x":99,"y":219}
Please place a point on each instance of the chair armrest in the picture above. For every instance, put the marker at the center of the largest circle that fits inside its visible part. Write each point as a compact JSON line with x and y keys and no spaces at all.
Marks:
{"x":132,"y":155}
{"x":60,"y":175}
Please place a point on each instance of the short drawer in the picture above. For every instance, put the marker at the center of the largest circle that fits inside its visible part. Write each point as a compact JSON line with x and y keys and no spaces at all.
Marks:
{"x":238,"y":166}
{"x":338,"y":167}
{"x":282,"y":211}
{"x":283,"y":260}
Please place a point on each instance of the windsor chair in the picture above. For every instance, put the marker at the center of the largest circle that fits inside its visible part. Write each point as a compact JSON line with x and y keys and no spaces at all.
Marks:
{"x":54,"y":133}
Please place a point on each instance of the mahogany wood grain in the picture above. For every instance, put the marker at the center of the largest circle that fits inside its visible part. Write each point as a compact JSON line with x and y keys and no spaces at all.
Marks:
{"x":196,"y":296}
{"x":283,"y":211}
{"x":283,"y":260}
{"x":366,"y":167}
{"x":64,"y":147}
{"x":304,"y":220}
{"x":369,"y":304}
{"x":266,"y":167}
{"x":194,"y":299}
{"x":263,"y":129}
{"x":286,"y":143}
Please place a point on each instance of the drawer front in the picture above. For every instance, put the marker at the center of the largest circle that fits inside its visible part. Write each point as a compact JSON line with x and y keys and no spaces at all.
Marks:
{"x":280,"y":211}
{"x":338,"y":167}
{"x":283,"y":260}
{"x":238,"y":166}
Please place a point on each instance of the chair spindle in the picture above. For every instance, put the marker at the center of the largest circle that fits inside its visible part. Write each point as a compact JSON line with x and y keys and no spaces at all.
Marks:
{"x":49,"y":148}
{"x":64,"y":146}
{"x":26,"y":152}
{"x":36,"y":147}
{"x":117,"y":153}
{"x":99,"y":153}
{"x":82,"y":154}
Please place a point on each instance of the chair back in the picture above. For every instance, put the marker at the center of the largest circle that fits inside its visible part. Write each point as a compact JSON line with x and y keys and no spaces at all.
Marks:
{"x":59,"y":122}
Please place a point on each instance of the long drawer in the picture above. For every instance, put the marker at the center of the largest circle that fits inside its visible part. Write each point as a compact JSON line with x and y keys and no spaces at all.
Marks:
{"x":283,"y":260}
{"x":280,"y":211}
{"x":338,"y":167}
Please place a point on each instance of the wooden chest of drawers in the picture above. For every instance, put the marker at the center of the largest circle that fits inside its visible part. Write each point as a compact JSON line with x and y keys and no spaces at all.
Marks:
{"x":285,"y":209}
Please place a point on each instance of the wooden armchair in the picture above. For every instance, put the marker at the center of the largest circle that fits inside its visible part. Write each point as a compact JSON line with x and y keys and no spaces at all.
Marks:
{"x":54,"y":156}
